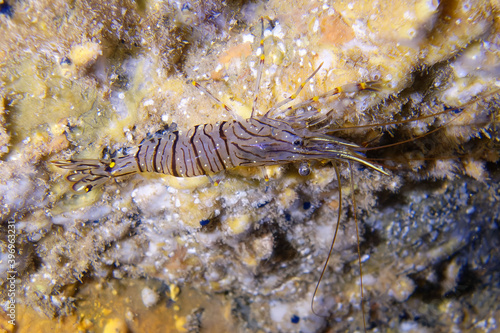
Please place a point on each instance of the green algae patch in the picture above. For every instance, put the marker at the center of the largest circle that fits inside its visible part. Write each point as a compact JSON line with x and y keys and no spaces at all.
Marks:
{"x":39,"y":98}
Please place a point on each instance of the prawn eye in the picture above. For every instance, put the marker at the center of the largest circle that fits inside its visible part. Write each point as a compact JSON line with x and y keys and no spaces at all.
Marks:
{"x":297,"y":142}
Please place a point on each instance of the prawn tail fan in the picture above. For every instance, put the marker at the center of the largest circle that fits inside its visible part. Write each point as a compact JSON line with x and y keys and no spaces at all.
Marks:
{"x":88,"y":174}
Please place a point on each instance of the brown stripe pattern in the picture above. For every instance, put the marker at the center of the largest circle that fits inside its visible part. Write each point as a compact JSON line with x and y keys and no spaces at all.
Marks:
{"x":211,"y":148}
{"x":200,"y":151}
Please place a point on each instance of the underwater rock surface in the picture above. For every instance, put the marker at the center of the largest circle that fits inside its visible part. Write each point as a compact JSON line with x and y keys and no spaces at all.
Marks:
{"x":90,"y":79}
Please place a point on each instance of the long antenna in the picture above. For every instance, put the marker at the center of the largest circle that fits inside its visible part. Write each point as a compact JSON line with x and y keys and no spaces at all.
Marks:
{"x":333,"y":241}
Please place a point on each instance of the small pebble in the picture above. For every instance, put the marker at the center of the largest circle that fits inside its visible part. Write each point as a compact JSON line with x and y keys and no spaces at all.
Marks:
{"x":149,"y":297}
